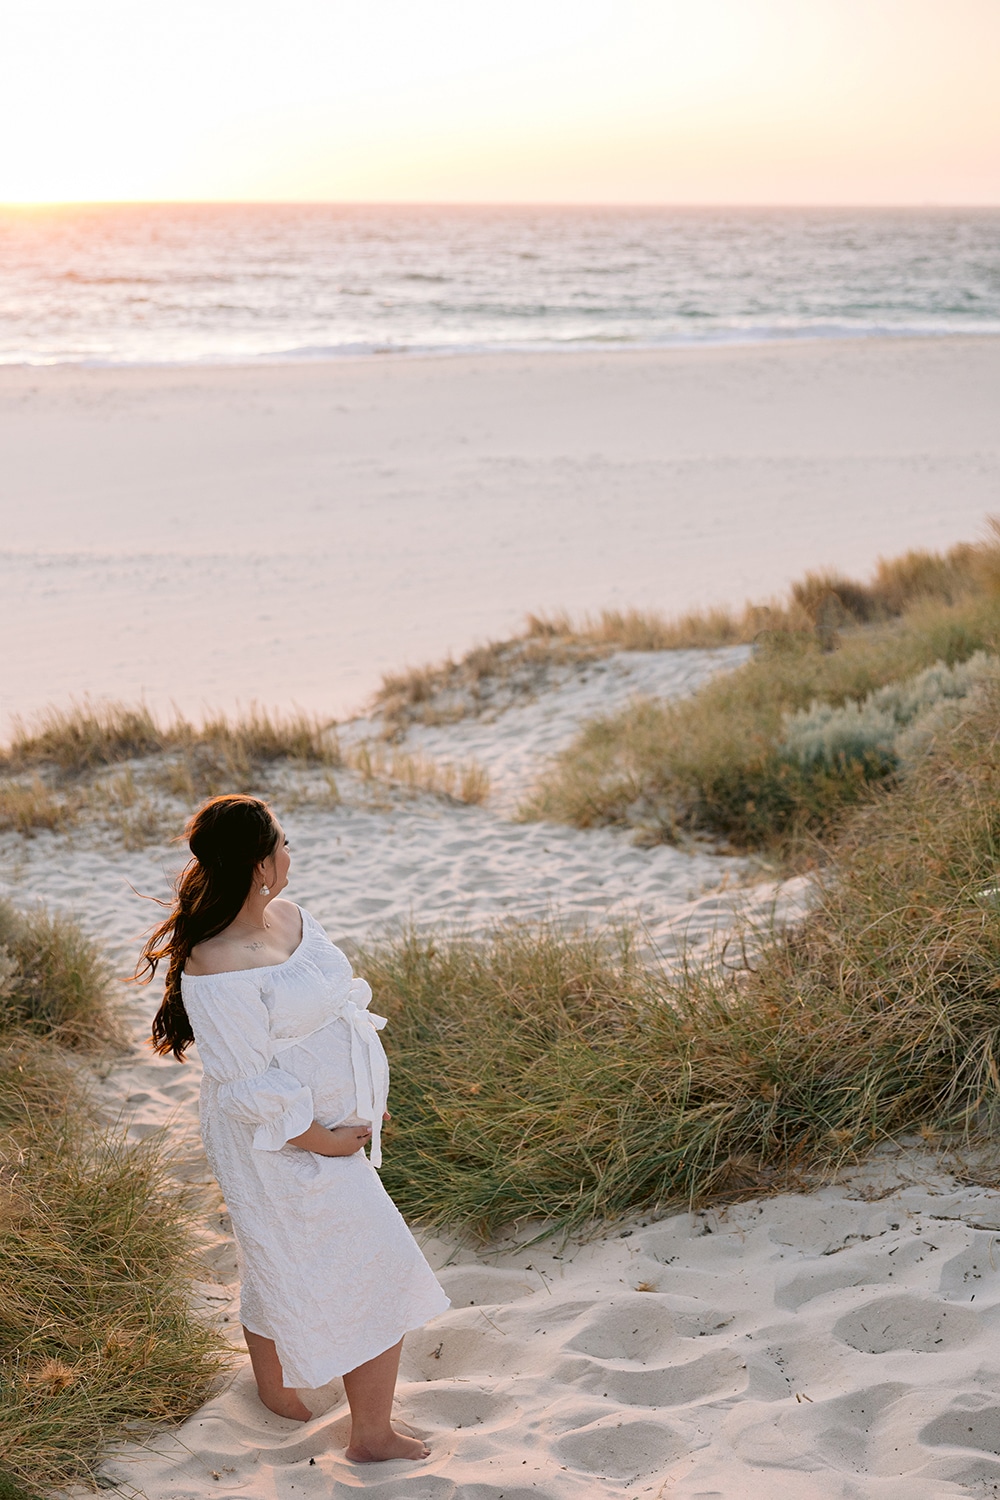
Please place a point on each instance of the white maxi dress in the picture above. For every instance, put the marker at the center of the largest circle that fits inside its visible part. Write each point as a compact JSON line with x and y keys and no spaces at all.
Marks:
{"x":328,"y":1268}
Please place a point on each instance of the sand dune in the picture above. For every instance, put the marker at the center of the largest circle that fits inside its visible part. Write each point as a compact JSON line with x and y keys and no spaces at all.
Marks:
{"x":838,"y":1344}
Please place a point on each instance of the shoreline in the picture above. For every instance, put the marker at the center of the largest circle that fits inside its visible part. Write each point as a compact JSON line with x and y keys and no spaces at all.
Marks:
{"x":334,"y":356}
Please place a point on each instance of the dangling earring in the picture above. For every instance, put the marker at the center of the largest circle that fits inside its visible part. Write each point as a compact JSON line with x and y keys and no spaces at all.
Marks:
{"x":265,"y":890}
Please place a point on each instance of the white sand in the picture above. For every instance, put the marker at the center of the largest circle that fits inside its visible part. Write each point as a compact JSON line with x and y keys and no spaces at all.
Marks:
{"x":807,"y":1347}
{"x":832,"y":1345}
{"x":286,"y":533}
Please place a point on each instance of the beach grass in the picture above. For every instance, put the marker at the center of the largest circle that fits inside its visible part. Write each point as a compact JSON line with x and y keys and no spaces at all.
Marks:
{"x":30,"y":804}
{"x":116,"y":767}
{"x":717,"y":763}
{"x":464,"y":781}
{"x":90,"y":736}
{"x":116,"y":764}
{"x":96,"y":1338}
{"x":53,"y":981}
{"x":818,"y":606}
{"x":541,"y":1075}
{"x":491,"y":675}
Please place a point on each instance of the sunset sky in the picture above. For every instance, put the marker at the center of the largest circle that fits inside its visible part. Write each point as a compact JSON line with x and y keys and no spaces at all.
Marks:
{"x":637,"y":101}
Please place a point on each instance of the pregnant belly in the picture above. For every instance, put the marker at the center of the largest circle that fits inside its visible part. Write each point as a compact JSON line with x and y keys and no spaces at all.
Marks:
{"x":330,"y":1080}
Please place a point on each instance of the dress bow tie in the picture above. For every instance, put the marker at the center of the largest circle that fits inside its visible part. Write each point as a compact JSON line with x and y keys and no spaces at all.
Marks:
{"x":371,"y":1072}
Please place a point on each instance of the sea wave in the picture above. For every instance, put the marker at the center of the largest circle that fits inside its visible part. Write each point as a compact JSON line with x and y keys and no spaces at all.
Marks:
{"x":209,"y":284}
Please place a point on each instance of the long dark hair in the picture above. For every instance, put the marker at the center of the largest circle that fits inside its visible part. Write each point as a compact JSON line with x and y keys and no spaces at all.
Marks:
{"x":228,"y":837}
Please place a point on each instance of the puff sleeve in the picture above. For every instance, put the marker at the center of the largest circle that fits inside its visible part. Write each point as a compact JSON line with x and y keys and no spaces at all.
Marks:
{"x":231,"y":1027}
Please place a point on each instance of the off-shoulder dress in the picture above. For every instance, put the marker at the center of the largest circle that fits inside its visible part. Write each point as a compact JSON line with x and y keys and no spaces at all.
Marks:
{"x":328,"y":1268}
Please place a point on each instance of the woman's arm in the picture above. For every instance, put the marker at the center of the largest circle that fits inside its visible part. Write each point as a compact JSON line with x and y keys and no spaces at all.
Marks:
{"x":343,"y":1140}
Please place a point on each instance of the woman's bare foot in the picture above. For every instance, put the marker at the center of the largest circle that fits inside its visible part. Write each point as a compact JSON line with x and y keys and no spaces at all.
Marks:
{"x":287,"y":1404}
{"x":271,"y":1388}
{"x":392,"y":1445}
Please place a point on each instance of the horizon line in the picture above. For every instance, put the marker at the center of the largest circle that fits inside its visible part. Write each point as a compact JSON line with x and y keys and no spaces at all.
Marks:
{"x":442,"y":203}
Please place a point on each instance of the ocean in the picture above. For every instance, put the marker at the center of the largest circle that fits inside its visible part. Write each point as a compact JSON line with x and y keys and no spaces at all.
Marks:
{"x":167,"y":283}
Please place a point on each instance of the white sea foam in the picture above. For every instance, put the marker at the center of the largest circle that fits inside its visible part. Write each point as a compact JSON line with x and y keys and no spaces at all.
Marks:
{"x":193,"y":283}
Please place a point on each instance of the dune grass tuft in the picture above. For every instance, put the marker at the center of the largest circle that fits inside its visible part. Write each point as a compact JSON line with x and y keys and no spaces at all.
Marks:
{"x":53,"y":981}
{"x":87,"y":761}
{"x":716,"y":763}
{"x":28,"y":805}
{"x":466,"y":781}
{"x":541,"y":1075}
{"x":491,"y":676}
{"x":818,"y":607}
{"x":96,"y":1338}
{"x":83,"y":737}
{"x":89,"y":736}
{"x":95,"y":1331}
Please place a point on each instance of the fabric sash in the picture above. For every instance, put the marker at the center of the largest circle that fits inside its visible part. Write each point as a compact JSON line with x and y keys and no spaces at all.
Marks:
{"x":368,"y":1061}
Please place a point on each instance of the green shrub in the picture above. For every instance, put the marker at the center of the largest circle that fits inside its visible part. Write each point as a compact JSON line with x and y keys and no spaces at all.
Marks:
{"x":827,"y":735}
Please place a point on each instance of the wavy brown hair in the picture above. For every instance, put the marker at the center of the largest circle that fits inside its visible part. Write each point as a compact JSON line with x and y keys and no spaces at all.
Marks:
{"x":228,"y":838}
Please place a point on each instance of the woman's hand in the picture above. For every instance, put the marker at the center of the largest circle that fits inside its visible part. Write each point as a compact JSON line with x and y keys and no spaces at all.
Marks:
{"x":345,"y":1140}
{"x":342,"y":1140}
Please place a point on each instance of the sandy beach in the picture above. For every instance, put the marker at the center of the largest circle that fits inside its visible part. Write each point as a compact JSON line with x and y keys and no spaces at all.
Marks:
{"x":290,"y":531}
{"x":212,"y":536}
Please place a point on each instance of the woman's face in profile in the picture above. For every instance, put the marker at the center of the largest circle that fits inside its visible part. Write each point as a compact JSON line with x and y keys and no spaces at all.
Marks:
{"x":282,"y":860}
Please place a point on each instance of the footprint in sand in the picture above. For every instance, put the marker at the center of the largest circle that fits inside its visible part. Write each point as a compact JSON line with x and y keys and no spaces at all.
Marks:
{"x":851,"y":1267}
{"x":479,"y":1286}
{"x":449,"y":1348}
{"x":644,"y":1327}
{"x":619,"y":1449}
{"x":972,"y":1421}
{"x":832,"y":1433}
{"x":448,"y":1408}
{"x":825,"y":1228}
{"x":715,"y":1376}
{"x":907,"y":1322}
{"x":973,"y":1270}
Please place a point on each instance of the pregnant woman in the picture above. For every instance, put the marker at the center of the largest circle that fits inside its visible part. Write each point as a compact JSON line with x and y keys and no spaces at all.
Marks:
{"x":295,"y":1084}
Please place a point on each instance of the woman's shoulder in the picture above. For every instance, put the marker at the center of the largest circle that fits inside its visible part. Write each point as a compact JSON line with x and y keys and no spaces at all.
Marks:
{"x":229,"y":955}
{"x":220,"y":986}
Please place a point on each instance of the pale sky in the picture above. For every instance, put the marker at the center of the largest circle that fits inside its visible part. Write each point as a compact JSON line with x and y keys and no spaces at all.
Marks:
{"x":578,"y":101}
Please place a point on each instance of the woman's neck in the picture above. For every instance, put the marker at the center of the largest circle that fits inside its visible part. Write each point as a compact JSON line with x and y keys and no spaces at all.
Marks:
{"x":252,"y":916}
